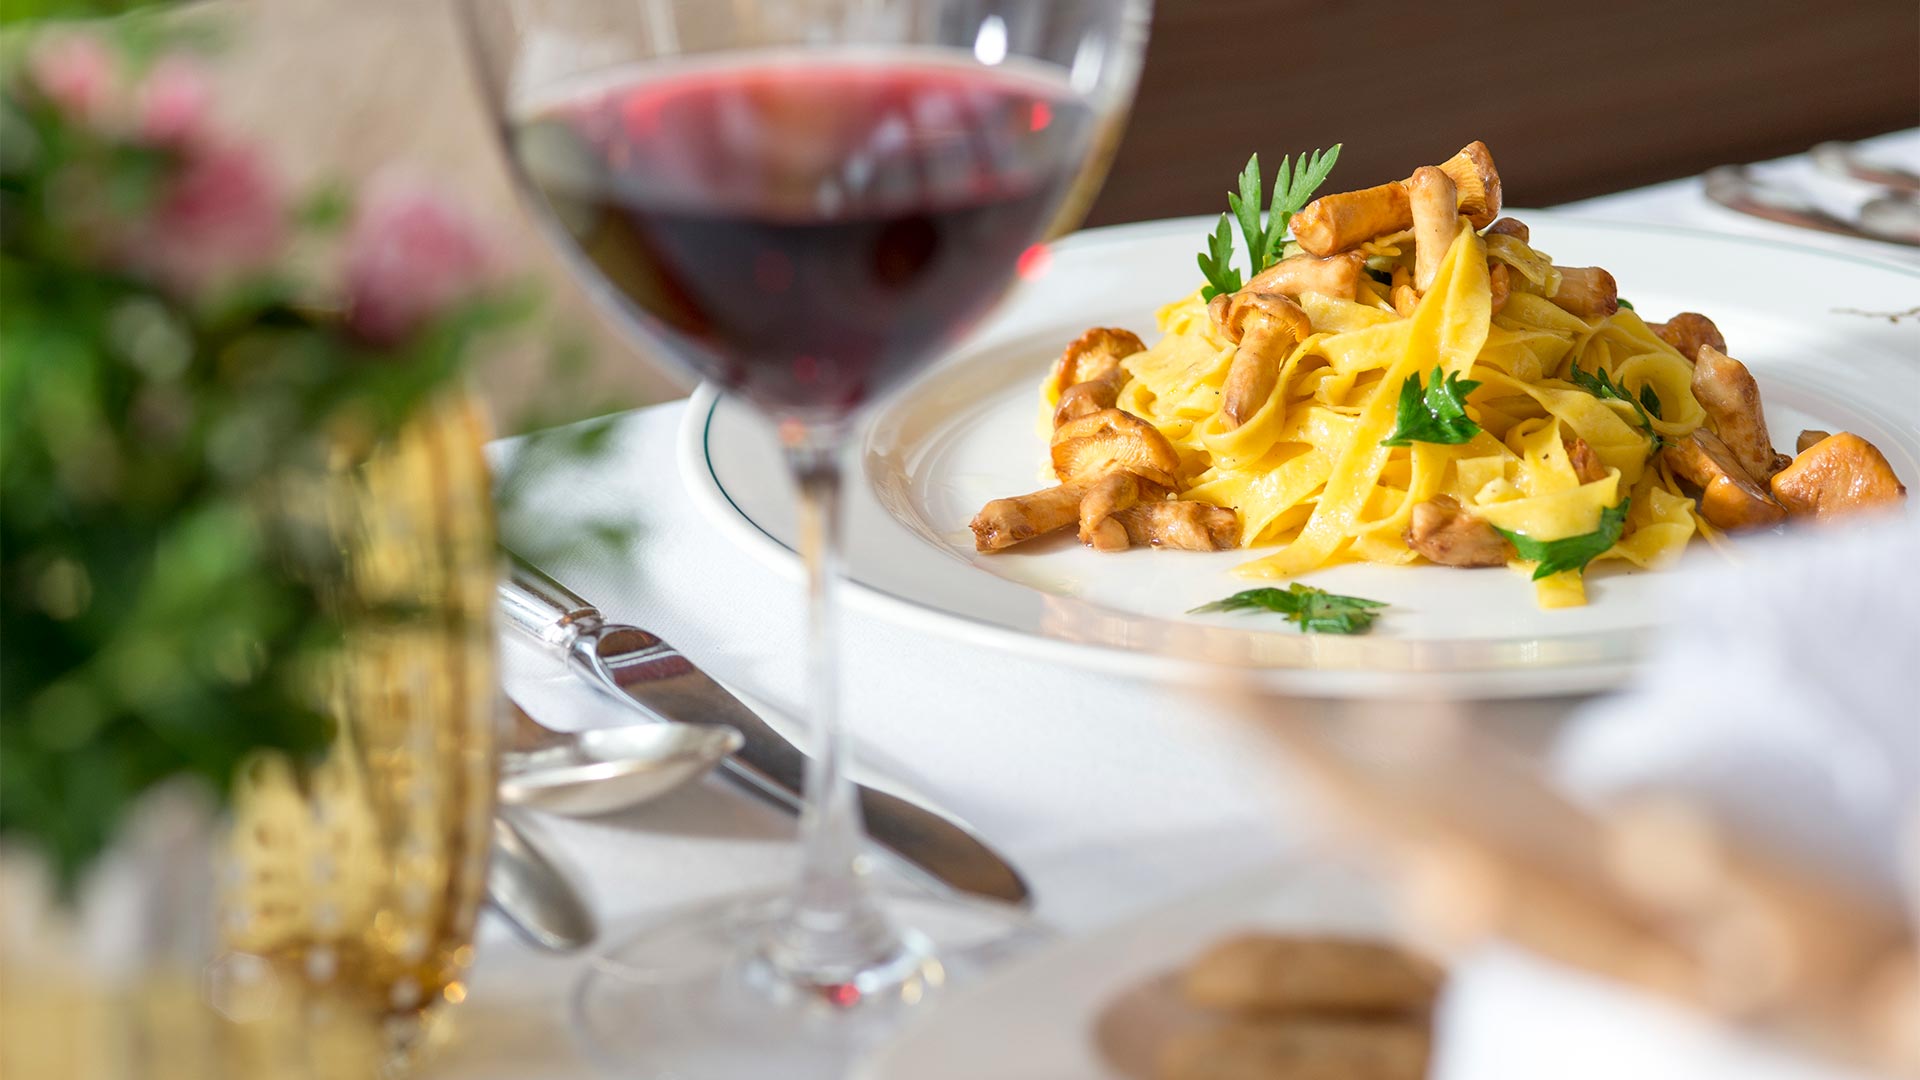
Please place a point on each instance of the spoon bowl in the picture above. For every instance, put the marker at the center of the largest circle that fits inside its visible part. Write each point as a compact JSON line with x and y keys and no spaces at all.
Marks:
{"x":601,"y":771}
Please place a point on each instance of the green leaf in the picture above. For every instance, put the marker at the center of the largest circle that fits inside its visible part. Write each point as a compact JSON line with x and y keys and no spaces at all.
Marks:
{"x":1315,"y":611}
{"x":1309,"y":174}
{"x":326,"y":208}
{"x":1650,"y":401}
{"x":1623,"y":303}
{"x":1436,"y":415}
{"x":1601,"y":385}
{"x":1217,"y":262}
{"x":1293,"y":188}
{"x":1246,"y":210}
{"x":1573,"y":552}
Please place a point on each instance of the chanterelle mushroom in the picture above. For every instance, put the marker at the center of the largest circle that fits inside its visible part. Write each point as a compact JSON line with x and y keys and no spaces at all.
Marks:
{"x":1088,"y":376}
{"x":1339,"y":221}
{"x":1085,"y":452}
{"x":1587,"y":291}
{"x":1436,"y":219}
{"x":1110,"y":495}
{"x":1003,"y":523}
{"x":1586,"y":464}
{"x":1726,"y":390}
{"x":1336,"y":276}
{"x":1499,"y":285}
{"x":1112,"y":439}
{"x":1183,"y":525}
{"x":1729,"y":497}
{"x":1510,"y":226}
{"x":1444,"y":532}
{"x":1267,"y":326}
{"x":1687,"y":331}
{"x":1839,"y":475}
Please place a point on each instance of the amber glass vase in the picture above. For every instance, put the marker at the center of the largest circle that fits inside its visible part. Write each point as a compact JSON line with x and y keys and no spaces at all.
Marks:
{"x":316,"y":927}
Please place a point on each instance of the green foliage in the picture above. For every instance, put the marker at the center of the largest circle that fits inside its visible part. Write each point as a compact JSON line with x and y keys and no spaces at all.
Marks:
{"x":1573,"y":552}
{"x":161,"y":615}
{"x":1436,"y":415}
{"x":1217,"y":262}
{"x":1315,"y":611}
{"x":1293,"y":188}
{"x":1601,"y":385}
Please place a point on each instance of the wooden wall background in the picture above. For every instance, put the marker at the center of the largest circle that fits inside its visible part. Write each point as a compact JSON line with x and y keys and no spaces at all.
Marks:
{"x":1574,"y":98}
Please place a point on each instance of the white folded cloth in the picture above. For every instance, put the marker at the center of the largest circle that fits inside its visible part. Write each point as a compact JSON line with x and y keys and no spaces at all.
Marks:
{"x":1785,"y":700}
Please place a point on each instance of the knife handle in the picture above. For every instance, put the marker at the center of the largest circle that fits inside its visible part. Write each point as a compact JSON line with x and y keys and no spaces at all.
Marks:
{"x":542,"y":607}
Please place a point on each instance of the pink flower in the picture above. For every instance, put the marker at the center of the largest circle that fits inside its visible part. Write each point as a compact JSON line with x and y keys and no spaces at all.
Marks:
{"x":223,"y":215}
{"x":410,"y":257}
{"x":75,"y":72}
{"x":172,"y":103}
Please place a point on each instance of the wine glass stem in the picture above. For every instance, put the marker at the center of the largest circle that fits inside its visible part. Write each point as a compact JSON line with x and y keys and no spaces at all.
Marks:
{"x":833,"y":931}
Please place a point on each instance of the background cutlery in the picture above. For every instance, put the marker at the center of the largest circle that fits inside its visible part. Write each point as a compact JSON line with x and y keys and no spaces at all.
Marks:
{"x":639,"y":669}
{"x":585,"y":773}
{"x":1843,"y":159}
{"x":1736,"y":189}
{"x":533,"y":895}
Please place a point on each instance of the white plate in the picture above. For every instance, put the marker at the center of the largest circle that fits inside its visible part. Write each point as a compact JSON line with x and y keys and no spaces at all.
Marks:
{"x":965,"y":432}
{"x":1506,"y":1015}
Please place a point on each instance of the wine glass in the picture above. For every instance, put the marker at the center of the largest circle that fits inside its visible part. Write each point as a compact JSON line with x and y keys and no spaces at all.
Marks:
{"x":804,"y":201}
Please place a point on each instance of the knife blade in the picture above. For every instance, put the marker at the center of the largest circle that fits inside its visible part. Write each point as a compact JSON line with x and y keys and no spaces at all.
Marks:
{"x":640,"y":670}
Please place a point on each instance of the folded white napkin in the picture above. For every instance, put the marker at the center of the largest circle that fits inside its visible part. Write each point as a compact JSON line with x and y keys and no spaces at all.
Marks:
{"x":1786,"y":701}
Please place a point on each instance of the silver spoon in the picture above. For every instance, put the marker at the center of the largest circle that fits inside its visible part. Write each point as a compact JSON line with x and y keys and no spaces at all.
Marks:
{"x":585,"y":773}
{"x":533,"y":895}
{"x":1733,"y":187}
{"x":1843,"y":159}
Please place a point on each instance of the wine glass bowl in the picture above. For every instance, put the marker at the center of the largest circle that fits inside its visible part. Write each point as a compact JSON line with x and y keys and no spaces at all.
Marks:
{"x":804,"y":201}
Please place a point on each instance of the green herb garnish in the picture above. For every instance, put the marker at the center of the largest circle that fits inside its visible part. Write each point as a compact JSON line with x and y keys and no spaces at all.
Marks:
{"x":1217,"y":262}
{"x":1601,"y":385}
{"x":1293,"y":188}
{"x":1623,"y":303}
{"x":1437,"y":414}
{"x":1317,"y":611}
{"x":1573,"y":552}
{"x":1650,"y":401}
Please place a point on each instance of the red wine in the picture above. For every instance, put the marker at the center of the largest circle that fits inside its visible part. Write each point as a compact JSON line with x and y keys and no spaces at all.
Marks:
{"x":808,"y":233}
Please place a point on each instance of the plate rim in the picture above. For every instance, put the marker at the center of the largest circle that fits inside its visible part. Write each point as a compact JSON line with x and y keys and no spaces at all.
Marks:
{"x":718,"y":505}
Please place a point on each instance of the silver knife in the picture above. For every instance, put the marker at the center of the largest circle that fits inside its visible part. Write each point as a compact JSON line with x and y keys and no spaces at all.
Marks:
{"x":639,"y":669}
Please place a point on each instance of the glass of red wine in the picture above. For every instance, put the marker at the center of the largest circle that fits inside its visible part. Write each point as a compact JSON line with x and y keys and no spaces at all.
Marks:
{"x":804,"y":201}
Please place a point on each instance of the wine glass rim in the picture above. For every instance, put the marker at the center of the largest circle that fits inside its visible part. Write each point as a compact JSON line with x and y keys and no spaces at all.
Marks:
{"x":777,"y":60}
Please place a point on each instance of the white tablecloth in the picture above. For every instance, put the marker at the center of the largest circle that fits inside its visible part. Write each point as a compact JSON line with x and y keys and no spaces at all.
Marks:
{"x":1111,"y":797}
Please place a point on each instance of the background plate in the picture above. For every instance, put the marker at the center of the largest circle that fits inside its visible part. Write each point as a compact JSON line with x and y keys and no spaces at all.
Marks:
{"x":1811,"y":325}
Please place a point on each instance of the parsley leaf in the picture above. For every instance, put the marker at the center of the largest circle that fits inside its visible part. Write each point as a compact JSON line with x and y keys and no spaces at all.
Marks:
{"x":1437,"y":415}
{"x":1623,"y":302}
{"x":1246,"y":210}
{"x":1573,"y":552}
{"x":1217,"y":263}
{"x":1316,"y":611}
{"x":1293,"y":188}
{"x":1601,"y":385}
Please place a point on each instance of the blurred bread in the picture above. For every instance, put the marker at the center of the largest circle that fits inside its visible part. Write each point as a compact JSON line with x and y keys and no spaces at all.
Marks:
{"x":1268,"y":973}
{"x":1299,"y":1048}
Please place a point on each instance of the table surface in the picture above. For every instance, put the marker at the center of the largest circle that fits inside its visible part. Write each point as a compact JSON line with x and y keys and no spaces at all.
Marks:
{"x":1111,"y":797}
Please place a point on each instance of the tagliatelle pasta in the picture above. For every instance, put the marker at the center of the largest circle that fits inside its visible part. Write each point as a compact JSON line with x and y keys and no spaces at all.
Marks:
{"x":1408,"y":379}
{"x":1308,"y":473}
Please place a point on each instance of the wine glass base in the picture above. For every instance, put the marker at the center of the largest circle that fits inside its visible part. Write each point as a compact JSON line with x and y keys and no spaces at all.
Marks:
{"x":691,"y":997}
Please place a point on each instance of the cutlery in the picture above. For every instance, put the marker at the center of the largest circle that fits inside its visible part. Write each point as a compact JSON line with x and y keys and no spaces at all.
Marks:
{"x":1736,"y":189}
{"x":586,"y":773}
{"x":524,"y":886}
{"x":1843,"y":159}
{"x":639,"y":669}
